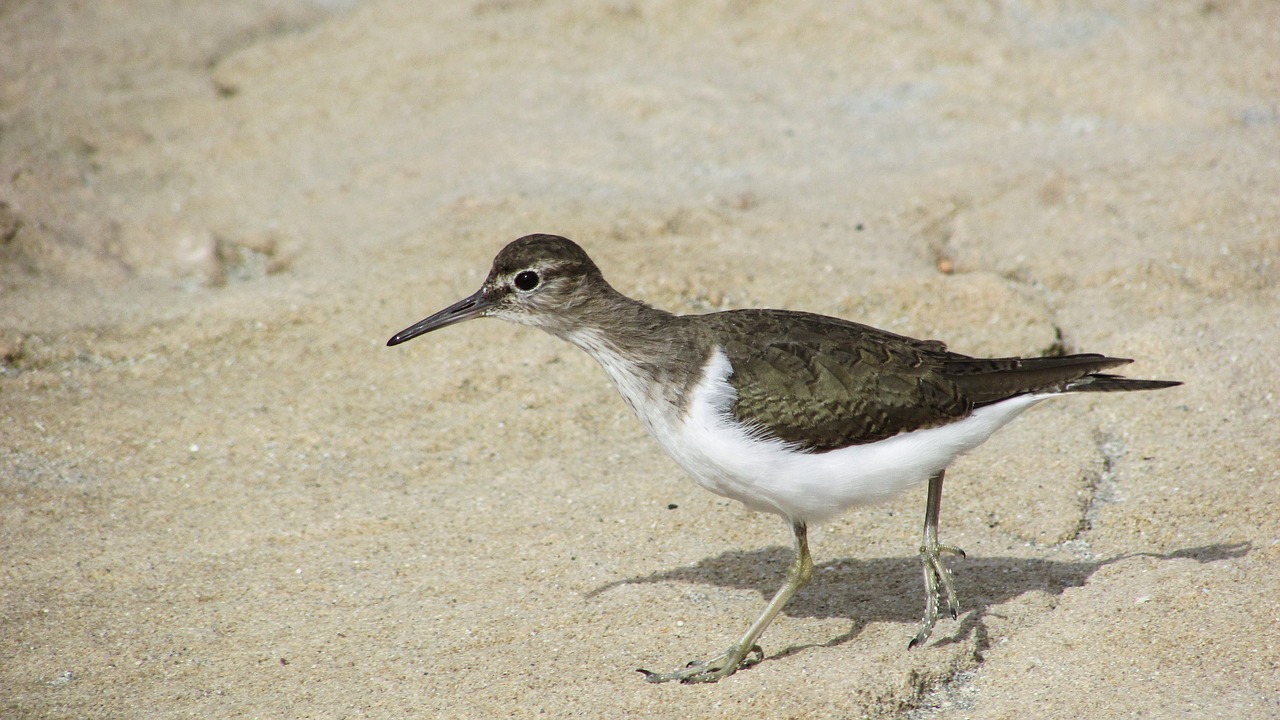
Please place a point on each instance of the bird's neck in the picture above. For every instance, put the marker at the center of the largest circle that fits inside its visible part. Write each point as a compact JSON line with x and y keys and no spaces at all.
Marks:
{"x":609,"y":322}
{"x":647,"y":352}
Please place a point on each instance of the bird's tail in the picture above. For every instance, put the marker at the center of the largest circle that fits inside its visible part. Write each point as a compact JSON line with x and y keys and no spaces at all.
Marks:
{"x":987,"y":380}
{"x":1116,"y":383}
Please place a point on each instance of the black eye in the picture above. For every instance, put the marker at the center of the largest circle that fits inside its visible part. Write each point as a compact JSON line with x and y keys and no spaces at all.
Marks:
{"x":526,"y":280}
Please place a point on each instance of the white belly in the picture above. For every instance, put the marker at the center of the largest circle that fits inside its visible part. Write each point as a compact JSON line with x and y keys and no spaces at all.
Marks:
{"x":770,"y":475}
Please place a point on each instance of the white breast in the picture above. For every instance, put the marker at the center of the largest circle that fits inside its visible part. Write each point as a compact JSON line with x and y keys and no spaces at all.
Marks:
{"x":769,"y":475}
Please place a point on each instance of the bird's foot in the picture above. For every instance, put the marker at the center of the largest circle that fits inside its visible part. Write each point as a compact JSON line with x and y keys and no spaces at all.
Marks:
{"x":700,"y":671}
{"x":935,"y":574}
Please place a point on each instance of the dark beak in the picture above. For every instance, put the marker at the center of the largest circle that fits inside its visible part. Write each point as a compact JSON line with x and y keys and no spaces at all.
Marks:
{"x":464,"y":309}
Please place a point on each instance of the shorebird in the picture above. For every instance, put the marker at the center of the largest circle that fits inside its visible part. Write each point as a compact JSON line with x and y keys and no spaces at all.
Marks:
{"x":792,"y":413}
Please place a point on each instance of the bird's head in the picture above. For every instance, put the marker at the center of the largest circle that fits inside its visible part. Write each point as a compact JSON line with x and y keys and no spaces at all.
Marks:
{"x":539,"y":280}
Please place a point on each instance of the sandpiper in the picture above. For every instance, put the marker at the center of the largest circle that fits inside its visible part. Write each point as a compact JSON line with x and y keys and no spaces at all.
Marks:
{"x":792,"y":413}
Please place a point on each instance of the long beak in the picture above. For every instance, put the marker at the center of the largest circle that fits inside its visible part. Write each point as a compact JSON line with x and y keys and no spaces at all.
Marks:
{"x":464,"y":309}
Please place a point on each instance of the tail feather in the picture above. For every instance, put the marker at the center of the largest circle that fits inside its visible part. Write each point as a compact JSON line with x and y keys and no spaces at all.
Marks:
{"x":1117,"y":383}
{"x":986,"y":381}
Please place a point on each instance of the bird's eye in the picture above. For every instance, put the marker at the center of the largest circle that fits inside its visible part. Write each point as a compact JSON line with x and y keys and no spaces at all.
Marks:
{"x":527,"y":280}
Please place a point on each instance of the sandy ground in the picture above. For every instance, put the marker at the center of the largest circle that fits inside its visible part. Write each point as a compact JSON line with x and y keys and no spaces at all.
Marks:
{"x":222,"y":496}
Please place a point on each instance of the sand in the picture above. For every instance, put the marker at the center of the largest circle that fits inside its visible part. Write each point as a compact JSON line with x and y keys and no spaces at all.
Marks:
{"x":221,"y":495}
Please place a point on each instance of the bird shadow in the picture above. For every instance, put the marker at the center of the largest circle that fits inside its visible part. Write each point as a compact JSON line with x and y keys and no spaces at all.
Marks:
{"x":890,"y":589}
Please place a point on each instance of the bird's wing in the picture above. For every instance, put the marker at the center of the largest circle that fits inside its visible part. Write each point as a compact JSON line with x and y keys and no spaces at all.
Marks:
{"x":822,"y":383}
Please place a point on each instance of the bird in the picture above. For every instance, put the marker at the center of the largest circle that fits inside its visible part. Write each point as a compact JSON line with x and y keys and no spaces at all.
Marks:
{"x":792,"y":413}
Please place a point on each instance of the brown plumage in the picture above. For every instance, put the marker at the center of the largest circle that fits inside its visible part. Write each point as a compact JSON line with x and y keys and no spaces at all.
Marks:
{"x":824,"y":383}
{"x":862,"y":413}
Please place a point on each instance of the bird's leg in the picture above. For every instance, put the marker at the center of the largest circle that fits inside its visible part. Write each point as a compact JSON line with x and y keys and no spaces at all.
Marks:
{"x":935,"y":573}
{"x":746,"y":652}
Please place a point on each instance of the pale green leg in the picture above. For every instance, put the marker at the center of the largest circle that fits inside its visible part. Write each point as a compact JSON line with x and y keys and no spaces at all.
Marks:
{"x":935,"y":573}
{"x":746,"y":652}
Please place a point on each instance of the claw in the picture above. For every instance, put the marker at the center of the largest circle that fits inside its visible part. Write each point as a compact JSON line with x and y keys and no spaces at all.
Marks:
{"x":700,"y":671}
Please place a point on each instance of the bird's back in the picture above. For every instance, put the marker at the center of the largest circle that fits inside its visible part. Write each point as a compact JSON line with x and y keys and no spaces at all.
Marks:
{"x":823,"y":383}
